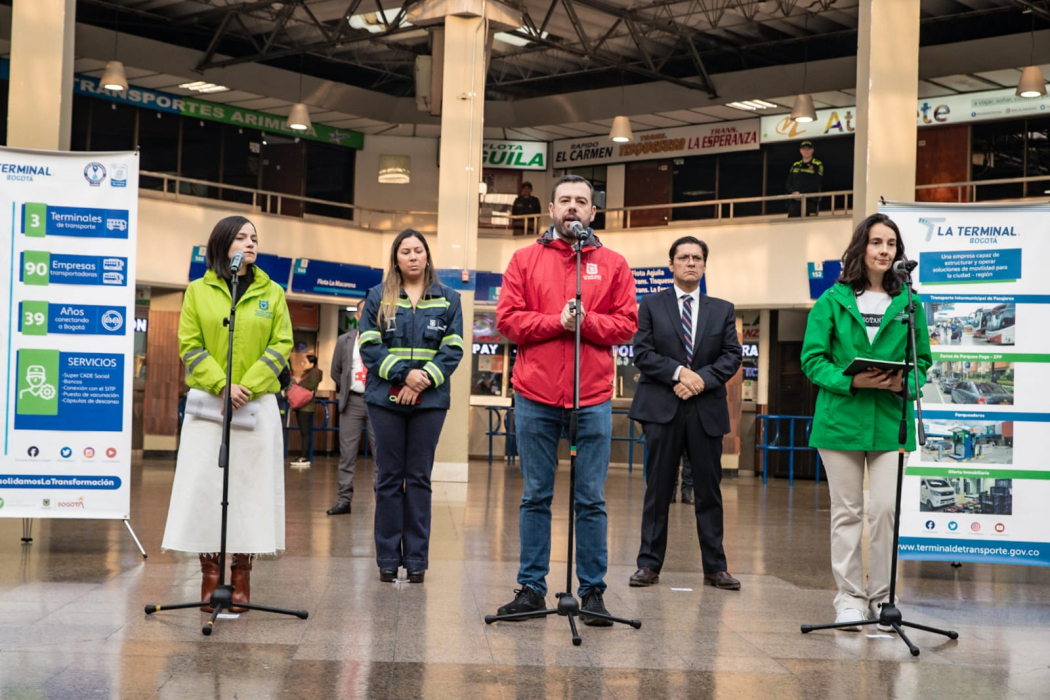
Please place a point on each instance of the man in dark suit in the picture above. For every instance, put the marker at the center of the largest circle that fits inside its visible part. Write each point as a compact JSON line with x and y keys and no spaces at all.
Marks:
{"x":686,"y":349}
{"x":349,"y":373}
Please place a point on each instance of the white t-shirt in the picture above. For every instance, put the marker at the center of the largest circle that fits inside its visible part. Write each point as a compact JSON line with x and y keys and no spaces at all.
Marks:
{"x":358,"y":371}
{"x":872,"y":307}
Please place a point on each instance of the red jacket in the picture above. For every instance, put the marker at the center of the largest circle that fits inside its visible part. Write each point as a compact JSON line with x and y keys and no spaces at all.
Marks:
{"x":536,"y":285}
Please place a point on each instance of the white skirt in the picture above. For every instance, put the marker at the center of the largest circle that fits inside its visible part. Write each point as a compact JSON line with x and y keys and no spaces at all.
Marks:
{"x":255,"y":524}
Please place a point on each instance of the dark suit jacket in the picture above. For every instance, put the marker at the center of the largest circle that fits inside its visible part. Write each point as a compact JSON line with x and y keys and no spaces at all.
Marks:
{"x":343,"y":366}
{"x":659,"y":350}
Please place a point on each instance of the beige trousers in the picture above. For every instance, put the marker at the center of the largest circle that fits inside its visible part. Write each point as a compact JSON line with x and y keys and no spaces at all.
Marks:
{"x":845,"y":473}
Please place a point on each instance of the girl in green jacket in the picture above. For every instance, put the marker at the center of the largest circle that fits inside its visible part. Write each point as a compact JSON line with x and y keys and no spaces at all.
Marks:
{"x":857,"y":418}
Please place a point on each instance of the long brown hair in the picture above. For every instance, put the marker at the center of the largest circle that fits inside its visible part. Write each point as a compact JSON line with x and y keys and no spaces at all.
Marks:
{"x":853,"y":271}
{"x":393,"y":283}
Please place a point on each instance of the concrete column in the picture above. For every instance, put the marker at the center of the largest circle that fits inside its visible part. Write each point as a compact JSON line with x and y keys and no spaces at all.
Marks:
{"x":887,"y":92}
{"x":40,"y":105}
{"x":462,"y":122}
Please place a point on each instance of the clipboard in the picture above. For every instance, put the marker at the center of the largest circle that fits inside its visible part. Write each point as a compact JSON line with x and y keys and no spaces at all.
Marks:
{"x":862,"y":364}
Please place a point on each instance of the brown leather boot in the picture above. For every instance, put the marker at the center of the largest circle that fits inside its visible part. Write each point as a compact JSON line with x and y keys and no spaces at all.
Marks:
{"x":241,"y":578}
{"x":209,"y":578}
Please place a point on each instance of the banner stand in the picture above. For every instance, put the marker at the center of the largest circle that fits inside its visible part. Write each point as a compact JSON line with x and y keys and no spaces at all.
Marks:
{"x":68,"y":226}
{"x":27,"y":534}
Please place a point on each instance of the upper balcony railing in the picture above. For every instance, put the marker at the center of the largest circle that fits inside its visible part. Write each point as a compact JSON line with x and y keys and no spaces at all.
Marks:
{"x":700,"y":213}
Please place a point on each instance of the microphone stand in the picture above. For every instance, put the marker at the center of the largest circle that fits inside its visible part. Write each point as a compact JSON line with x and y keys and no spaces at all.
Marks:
{"x":568,"y":606}
{"x":889,"y":615}
{"x":222,"y":598}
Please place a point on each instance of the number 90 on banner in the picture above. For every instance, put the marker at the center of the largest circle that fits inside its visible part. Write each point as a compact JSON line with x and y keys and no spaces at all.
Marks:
{"x":36,"y":265}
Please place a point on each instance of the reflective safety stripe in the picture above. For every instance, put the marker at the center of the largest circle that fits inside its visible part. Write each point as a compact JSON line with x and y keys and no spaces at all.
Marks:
{"x":269,"y":363}
{"x":439,"y":303}
{"x":453,"y":339}
{"x":190,"y":354}
{"x":435,"y":373}
{"x":414,"y":353}
{"x":371,"y":337}
{"x":388,"y":362}
{"x":278,"y":357}
{"x":197,"y":359}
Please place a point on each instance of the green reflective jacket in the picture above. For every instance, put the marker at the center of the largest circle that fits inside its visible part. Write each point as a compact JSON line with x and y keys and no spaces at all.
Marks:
{"x":859,"y":419}
{"x":262,"y":337}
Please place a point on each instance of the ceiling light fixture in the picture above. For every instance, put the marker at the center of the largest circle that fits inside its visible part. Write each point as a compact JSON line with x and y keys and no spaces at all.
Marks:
{"x":803,"y":111}
{"x":621,"y":126}
{"x":299,"y":117}
{"x":395,"y":170}
{"x":1031,"y":83}
{"x":113,"y":77}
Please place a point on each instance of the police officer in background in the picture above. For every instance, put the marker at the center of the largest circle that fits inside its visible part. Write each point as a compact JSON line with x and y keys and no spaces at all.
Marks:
{"x":525,"y":203}
{"x":805,"y":177}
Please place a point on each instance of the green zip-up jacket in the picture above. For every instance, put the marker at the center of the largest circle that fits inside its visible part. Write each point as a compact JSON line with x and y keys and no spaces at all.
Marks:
{"x":859,"y":419}
{"x":262,"y":336}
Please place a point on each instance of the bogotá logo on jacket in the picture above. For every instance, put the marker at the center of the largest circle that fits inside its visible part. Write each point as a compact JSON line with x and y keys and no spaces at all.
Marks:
{"x":264,"y":309}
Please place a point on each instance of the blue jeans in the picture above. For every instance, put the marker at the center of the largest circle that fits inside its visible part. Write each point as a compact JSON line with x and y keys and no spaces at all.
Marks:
{"x":539,"y":428}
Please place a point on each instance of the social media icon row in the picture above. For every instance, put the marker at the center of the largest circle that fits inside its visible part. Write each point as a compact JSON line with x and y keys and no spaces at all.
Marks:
{"x":974,"y":526}
{"x":67,"y":452}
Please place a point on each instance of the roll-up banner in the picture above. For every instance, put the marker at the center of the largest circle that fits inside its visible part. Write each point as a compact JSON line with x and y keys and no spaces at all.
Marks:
{"x":67,"y":284}
{"x":977,"y":490}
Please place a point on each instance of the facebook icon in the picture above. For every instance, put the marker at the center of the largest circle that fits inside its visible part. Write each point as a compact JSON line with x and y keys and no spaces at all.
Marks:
{"x":930,"y":524}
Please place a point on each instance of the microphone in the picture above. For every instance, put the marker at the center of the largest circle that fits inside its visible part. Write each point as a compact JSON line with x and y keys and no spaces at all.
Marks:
{"x":236,"y":261}
{"x":578,"y":230}
{"x":904,"y":267}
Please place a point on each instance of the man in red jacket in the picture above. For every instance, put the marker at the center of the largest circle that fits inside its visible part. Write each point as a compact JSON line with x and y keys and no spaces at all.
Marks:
{"x":534,"y":311}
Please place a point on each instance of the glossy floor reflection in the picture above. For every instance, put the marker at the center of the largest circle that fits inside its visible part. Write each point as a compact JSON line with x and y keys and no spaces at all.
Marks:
{"x":72,"y":622}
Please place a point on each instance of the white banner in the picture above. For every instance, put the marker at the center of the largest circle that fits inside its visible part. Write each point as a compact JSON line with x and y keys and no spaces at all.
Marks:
{"x":67,"y":283}
{"x":695,"y":140}
{"x":933,"y":111}
{"x":978,"y":489}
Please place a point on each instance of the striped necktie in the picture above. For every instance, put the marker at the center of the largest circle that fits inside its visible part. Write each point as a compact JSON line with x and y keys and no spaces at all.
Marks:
{"x":687,"y":326}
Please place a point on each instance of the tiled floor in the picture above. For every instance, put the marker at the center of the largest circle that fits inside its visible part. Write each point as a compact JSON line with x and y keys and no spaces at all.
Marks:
{"x":72,"y":622}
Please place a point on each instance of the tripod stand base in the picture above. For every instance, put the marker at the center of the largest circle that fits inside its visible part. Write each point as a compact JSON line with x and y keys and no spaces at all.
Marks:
{"x":568,"y":607}
{"x":889,"y":616}
{"x":222,"y":601}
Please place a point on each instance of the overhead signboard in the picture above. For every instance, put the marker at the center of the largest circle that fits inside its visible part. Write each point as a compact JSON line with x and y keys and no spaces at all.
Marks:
{"x":934,"y":111}
{"x":276,"y":268}
{"x":650,"y":280}
{"x":694,"y":140}
{"x":333,"y":279}
{"x":514,"y":155}
{"x":211,"y":111}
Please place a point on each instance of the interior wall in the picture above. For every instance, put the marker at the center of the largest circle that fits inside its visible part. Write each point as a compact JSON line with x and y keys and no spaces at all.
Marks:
{"x":755,"y":265}
{"x":421,"y":194}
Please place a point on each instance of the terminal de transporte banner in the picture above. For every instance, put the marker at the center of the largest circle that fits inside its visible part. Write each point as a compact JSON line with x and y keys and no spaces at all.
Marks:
{"x":978,"y":490}
{"x":67,"y":285}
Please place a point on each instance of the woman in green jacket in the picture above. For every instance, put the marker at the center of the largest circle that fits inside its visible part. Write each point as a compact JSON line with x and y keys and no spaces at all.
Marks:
{"x":262,"y":342}
{"x":310,"y":380}
{"x":857,"y":419}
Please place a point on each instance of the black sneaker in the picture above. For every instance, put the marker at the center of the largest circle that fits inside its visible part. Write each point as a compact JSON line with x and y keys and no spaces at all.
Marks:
{"x":592,"y":602}
{"x":526,"y":600}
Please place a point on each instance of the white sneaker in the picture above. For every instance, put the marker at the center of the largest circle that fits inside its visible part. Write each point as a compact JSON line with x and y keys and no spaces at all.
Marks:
{"x":849,"y":615}
{"x":873,"y":614}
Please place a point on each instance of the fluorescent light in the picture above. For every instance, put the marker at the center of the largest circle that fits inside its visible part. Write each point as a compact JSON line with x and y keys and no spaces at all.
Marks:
{"x":515,"y":40}
{"x":202,"y":86}
{"x":751,"y":105}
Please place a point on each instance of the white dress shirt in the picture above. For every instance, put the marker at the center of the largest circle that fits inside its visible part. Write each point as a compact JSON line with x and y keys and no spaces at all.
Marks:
{"x":357,"y":368}
{"x":678,"y":294}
